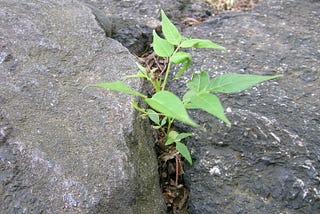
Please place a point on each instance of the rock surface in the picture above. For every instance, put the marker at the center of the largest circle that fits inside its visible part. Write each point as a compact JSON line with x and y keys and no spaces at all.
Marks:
{"x":65,"y":149}
{"x":131,"y":22}
{"x":268,"y":161}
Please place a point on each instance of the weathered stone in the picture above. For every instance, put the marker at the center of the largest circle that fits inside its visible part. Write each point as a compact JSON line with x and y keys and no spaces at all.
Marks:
{"x":63,"y":148}
{"x":268,"y":160}
{"x":125,"y":22}
{"x":131,"y":22}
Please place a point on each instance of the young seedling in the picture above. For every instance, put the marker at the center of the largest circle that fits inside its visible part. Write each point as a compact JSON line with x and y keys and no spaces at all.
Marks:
{"x":154,"y":117}
{"x":165,"y":106}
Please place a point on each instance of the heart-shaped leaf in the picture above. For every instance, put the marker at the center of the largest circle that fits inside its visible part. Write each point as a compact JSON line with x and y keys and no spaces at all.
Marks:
{"x":184,"y":151}
{"x":171,"y":138}
{"x":209,"y":103}
{"x":179,"y":58}
{"x":232,"y":83}
{"x":181,"y":136}
{"x":153,"y":116}
{"x":170,"y":31}
{"x":200,"y":43}
{"x":182,"y":70}
{"x":161,"y":46}
{"x":174,"y":136}
{"x":199,"y":81}
{"x":187,"y":99}
{"x":170,"y":105}
{"x":163,"y":121}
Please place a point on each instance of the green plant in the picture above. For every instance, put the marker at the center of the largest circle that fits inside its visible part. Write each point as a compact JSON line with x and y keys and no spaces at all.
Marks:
{"x":165,"y":106}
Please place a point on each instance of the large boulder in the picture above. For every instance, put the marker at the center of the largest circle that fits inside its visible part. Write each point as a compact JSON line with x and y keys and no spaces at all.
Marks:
{"x":65,"y":148}
{"x":268,"y":160}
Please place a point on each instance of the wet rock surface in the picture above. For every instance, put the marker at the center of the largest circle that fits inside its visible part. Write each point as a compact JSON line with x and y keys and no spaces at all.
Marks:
{"x":63,"y":148}
{"x":268,"y":160}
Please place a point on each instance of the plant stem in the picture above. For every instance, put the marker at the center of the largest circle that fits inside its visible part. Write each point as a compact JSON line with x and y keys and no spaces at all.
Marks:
{"x":168,"y":69}
{"x":154,"y":85}
{"x":166,"y":76}
{"x":170,"y":121}
{"x":135,"y":106}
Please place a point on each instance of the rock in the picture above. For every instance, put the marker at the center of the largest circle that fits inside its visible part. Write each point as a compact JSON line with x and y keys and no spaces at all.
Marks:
{"x":131,"y":22}
{"x":65,"y":148}
{"x":268,"y":160}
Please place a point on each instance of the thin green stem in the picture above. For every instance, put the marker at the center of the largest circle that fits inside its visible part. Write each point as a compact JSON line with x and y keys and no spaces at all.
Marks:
{"x":154,"y":85}
{"x":166,"y":76}
{"x":170,"y":121}
{"x":163,"y":131}
{"x":136,"y":106}
{"x":168,"y":69}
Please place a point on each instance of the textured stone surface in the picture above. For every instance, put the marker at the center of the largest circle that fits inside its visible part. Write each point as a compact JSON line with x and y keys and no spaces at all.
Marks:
{"x":64,"y":149}
{"x":131,"y":22}
{"x":268,"y":160}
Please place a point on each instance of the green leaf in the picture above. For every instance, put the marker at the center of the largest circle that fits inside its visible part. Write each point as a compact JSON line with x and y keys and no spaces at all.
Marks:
{"x":170,"y":105}
{"x":181,"y":136}
{"x":200,"y":43}
{"x":163,"y":121}
{"x":182,"y":70}
{"x":156,"y":127}
{"x":119,"y":86}
{"x":209,"y":103}
{"x":154,"y":116}
{"x":171,"y":138}
{"x":161,"y":46}
{"x":232,"y":83}
{"x":170,"y":31}
{"x":142,"y":73}
{"x":187,"y":99}
{"x":138,"y":75}
{"x":181,"y":57}
{"x":169,"y":142}
{"x":141,"y":68}
{"x":199,"y":82}
{"x":184,"y":151}
{"x":174,"y":136}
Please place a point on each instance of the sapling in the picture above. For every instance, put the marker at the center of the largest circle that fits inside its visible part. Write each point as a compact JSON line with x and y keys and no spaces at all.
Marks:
{"x":164,"y":106}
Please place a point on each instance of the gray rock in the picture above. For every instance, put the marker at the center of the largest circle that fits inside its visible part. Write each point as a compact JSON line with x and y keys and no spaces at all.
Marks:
{"x":131,"y":22}
{"x":268,"y":160}
{"x":65,"y":149}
